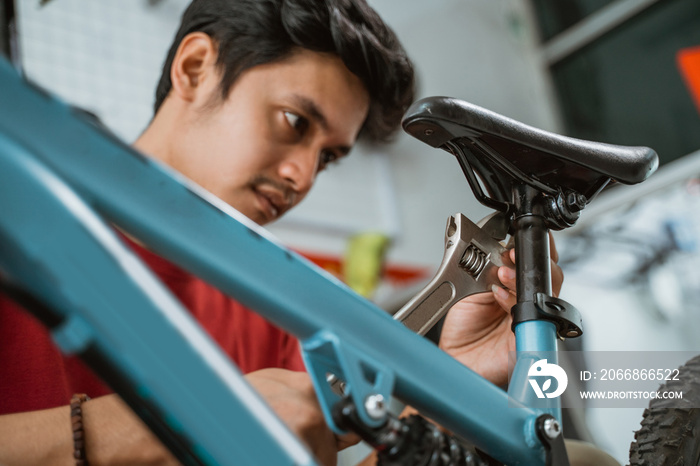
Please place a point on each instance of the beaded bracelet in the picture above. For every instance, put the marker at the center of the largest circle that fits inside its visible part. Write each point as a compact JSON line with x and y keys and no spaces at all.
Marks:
{"x":76,"y":419}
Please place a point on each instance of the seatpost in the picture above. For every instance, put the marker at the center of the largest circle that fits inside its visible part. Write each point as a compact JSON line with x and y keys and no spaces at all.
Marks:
{"x":532,"y":261}
{"x":534,"y":212}
{"x":532,"y":271}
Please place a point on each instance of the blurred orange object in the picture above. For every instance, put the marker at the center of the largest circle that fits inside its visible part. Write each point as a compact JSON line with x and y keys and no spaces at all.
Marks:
{"x":689,"y":64}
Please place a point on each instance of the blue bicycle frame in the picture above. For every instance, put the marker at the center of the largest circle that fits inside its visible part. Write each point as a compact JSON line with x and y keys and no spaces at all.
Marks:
{"x":63,"y":181}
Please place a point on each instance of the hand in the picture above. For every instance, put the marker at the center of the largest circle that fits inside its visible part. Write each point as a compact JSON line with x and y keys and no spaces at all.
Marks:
{"x":291,"y":395}
{"x":477,"y":329}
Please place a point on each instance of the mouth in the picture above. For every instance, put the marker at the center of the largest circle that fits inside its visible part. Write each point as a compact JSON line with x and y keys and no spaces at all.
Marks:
{"x":272,"y":202}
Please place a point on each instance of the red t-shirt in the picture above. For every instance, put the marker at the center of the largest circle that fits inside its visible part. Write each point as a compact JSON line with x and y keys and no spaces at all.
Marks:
{"x":34,"y":374}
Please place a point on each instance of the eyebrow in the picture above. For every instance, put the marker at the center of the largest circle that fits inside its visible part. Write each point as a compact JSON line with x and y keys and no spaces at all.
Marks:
{"x":314,"y":112}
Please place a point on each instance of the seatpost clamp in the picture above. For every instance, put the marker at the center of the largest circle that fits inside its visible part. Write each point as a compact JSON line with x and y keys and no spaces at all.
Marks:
{"x":563,"y":210}
{"x":564,"y":315}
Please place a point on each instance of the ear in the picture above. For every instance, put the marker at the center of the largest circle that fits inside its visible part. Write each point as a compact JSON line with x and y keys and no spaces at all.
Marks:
{"x":193,"y":72}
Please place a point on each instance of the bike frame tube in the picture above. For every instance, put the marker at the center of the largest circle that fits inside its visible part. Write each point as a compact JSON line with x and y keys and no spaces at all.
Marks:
{"x":534,"y":340}
{"x":207,"y":237}
{"x":113,"y":310}
{"x":536,"y":336}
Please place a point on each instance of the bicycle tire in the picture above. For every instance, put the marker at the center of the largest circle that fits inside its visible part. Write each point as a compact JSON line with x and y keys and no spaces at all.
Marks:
{"x":671,"y":436}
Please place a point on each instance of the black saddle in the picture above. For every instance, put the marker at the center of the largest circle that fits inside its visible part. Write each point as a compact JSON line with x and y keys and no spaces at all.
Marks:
{"x":502,"y":151}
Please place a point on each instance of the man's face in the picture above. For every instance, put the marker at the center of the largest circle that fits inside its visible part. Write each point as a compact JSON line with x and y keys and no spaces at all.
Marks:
{"x":282,"y":123}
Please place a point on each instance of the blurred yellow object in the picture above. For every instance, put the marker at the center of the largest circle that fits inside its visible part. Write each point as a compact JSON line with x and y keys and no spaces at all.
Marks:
{"x":364,"y":260}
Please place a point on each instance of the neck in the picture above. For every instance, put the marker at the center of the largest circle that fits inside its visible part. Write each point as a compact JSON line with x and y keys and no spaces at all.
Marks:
{"x":149,"y":143}
{"x":159,"y":139}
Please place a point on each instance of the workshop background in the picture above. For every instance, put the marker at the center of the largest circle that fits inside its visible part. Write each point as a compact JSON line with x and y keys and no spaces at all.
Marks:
{"x":618,"y":71}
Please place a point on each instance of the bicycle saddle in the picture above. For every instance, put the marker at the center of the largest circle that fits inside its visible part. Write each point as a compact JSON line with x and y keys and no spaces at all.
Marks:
{"x":502,"y":151}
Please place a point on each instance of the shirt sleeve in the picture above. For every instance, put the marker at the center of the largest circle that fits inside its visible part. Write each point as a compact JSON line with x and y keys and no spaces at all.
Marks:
{"x":291,"y":358}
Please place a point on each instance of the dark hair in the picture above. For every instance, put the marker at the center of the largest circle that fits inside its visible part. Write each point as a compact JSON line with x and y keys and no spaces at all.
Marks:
{"x":254,"y":32}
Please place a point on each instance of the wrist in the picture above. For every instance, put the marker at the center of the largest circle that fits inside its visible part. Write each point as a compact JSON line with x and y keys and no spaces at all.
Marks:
{"x":115,"y":435}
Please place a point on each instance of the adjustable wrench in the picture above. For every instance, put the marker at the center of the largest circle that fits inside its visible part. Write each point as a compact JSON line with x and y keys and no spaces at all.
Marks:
{"x":469,"y":266}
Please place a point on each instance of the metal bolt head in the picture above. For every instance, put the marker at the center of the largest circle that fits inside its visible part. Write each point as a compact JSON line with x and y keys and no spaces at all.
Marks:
{"x":552,"y":429}
{"x":375,"y":406}
{"x":429,"y":132}
{"x":575,"y":202}
{"x":572,"y":334}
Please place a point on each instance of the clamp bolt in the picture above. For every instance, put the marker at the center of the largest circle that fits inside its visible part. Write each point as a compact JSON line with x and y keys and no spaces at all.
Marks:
{"x":375,"y":406}
{"x":552,"y":429}
{"x":575,"y":202}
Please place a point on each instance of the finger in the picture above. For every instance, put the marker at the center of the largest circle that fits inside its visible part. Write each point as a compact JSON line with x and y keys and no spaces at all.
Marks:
{"x":326,"y":450}
{"x":346,"y":440}
{"x":507,"y":277}
{"x":504,"y":298}
{"x":557,"y":278}
{"x":553,"y":254}
{"x":506,"y":257}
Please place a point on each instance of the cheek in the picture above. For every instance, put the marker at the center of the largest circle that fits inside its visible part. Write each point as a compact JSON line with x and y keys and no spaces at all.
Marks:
{"x":234,"y":156}
{"x":230,"y":149}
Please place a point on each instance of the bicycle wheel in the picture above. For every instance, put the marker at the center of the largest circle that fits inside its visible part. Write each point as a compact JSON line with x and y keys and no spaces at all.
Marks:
{"x":671,"y":436}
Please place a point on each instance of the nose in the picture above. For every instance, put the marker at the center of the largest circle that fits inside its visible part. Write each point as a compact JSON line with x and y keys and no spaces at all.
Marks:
{"x":299,"y":169}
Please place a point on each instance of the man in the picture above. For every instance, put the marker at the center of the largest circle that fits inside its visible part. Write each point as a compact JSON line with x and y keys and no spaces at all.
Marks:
{"x":257,"y":97}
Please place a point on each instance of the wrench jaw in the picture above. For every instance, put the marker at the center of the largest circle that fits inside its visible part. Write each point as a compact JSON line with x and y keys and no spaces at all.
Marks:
{"x":469,"y":266}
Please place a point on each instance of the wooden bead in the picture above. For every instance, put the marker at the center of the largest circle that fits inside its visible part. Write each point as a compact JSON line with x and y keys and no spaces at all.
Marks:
{"x":76,"y":419}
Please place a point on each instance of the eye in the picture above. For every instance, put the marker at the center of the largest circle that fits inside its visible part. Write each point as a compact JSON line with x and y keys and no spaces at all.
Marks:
{"x":327,"y":157}
{"x":299,"y":123}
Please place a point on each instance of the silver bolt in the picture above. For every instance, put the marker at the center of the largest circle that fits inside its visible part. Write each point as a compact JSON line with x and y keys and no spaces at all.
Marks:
{"x":337,"y":385}
{"x":375,"y":406}
{"x":552,"y":428}
{"x":429,"y":132}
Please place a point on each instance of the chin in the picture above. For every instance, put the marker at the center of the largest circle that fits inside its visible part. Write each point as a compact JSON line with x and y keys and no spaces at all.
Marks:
{"x":262,"y":220}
